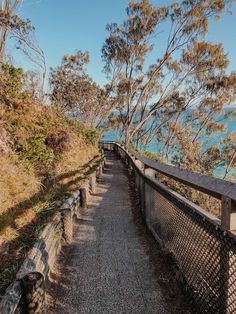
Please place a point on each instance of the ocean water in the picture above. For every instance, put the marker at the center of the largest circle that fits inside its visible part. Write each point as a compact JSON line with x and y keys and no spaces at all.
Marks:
{"x":154,"y":147}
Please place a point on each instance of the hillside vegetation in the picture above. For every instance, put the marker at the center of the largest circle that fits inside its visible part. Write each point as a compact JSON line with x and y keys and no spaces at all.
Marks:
{"x":43,"y":156}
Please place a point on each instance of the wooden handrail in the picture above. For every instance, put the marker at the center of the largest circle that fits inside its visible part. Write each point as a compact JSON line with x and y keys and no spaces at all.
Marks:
{"x":209,"y":185}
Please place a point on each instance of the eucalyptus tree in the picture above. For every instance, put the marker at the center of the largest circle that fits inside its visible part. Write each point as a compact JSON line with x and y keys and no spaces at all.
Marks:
{"x":8,"y":21}
{"x":22,"y":31}
{"x":179,"y":98}
{"x":76,"y":93}
{"x":148,"y":95}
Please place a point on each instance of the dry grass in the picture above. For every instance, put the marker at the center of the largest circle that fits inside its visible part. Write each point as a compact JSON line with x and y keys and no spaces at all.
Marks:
{"x":16,"y":182}
{"x":44,"y":156}
{"x":26,"y":206}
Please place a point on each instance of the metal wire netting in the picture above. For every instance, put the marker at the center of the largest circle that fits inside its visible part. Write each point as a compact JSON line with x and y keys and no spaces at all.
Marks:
{"x":206,"y":255}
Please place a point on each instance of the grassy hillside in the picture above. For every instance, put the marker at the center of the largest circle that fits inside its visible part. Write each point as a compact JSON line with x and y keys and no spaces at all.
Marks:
{"x":43,"y":156}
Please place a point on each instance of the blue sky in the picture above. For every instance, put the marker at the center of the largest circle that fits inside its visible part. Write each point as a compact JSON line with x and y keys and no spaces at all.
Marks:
{"x":64,"y":26}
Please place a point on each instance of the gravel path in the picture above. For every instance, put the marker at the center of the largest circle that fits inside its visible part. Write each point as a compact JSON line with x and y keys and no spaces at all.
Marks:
{"x":107,"y":269}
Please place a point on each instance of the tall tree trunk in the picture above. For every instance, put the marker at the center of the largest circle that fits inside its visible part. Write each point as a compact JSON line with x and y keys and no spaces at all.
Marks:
{"x":3,"y":44}
{"x":127,"y":135}
{"x":5,"y":7}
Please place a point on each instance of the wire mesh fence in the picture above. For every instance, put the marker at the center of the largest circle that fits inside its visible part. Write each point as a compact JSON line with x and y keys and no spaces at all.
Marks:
{"x":206,"y":254}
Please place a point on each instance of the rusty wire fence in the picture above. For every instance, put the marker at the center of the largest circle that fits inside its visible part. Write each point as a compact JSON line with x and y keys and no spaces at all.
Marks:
{"x":206,"y":254}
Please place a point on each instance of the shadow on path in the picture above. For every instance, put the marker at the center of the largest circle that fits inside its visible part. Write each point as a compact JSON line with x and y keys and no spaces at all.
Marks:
{"x":113,"y":265}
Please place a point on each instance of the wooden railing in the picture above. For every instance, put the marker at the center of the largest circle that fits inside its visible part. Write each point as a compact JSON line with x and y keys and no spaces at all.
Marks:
{"x":220,"y":189}
{"x":203,"y":245}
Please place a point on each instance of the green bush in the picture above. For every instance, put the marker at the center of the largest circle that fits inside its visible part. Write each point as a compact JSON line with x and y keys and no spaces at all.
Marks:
{"x":13,"y":80}
{"x":37,"y":151}
{"x":93,"y":136}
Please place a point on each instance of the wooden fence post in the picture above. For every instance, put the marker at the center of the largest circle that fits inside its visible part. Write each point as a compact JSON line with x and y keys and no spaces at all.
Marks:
{"x":228,"y":214}
{"x":92,"y":181}
{"x":228,"y":223}
{"x":100,"y":171}
{"x":83,"y":198}
{"x":33,"y":292}
{"x":67,"y":224}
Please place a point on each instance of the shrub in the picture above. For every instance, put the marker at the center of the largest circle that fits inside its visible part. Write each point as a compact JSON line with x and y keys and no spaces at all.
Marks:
{"x":57,"y":141}
{"x":37,"y":151}
{"x":92,"y":136}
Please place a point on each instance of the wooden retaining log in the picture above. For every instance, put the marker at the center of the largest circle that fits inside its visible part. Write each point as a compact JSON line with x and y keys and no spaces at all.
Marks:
{"x":41,"y":257}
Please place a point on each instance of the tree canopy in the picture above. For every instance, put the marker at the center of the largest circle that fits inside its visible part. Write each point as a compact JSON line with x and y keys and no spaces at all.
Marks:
{"x":182,"y":95}
{"x":75,"y":92}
